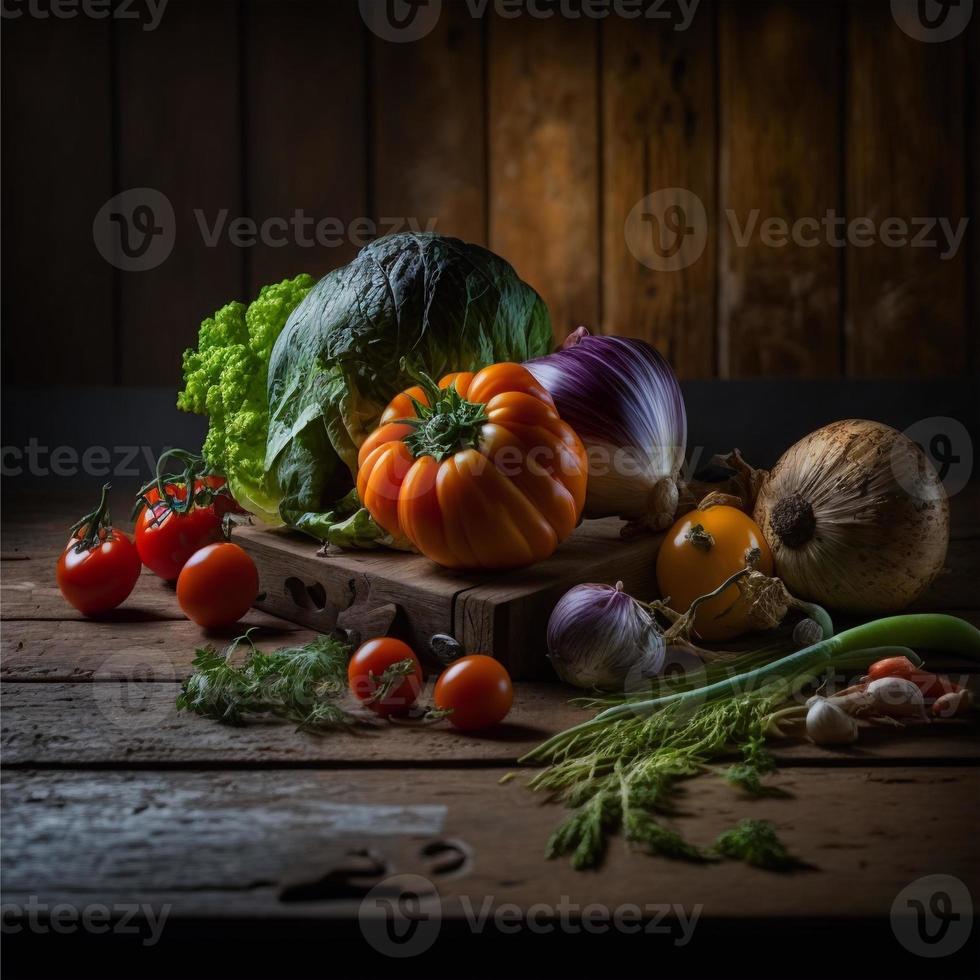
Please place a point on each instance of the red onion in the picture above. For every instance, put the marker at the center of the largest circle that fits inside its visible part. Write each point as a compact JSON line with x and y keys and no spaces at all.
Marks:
{"x":623,"y":400}
{"x":599,"y":635}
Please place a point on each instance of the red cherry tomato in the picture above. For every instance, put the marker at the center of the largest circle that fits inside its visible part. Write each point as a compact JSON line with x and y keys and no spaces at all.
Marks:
{"x":217,"y":585}
{"x":367,"y":669}
{"x":166,"y":539}
{"x":478,"y":691}
{"x":99,"y":566}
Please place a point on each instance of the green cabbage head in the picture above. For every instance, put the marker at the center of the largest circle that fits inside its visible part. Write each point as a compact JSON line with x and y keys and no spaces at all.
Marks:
{"x":407,"y":303}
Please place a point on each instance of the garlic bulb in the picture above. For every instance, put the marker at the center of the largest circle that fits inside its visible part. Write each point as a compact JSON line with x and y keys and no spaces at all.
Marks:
{"x":896,"y":697}
{"x":827,"y":724}
{"x":856,"y":517}
{"x":598,"y":635}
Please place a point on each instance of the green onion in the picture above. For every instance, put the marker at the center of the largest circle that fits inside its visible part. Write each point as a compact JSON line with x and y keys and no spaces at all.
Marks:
{"x":931,"y":630}
{"x":618,"y":772}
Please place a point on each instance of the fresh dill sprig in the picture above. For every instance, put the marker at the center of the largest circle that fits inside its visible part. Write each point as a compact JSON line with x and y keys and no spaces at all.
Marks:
{"x":756,"y":843}
{"x":304,"y":685}
{"x":620,"y":777}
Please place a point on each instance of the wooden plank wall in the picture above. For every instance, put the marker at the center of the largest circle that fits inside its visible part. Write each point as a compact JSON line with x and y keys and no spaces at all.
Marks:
{"x":537,"y":137}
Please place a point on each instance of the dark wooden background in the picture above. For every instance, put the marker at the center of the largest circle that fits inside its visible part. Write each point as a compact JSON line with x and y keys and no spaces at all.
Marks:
{"x":534,"y":136}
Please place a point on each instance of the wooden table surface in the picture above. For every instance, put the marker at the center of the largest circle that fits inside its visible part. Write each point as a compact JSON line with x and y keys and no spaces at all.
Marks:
{"x":268,"y":840}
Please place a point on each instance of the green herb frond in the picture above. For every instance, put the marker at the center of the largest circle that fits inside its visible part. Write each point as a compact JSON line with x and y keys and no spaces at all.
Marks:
{"x":623,"y":776}
{"x":756,"y":843}
{"x":304,"y":685}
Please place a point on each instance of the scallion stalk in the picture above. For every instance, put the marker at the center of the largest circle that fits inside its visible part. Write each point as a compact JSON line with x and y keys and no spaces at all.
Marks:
{"x":930,"y":630}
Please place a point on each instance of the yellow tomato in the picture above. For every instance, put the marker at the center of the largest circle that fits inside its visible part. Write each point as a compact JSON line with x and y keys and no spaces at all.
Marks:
{"x":699,"y":552}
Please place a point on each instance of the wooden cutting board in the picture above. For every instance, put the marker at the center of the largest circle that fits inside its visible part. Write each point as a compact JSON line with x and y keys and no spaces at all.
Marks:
{"x":504,"y":614}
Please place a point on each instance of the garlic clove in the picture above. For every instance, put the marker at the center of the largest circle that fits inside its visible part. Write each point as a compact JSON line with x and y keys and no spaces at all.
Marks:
{"x":827,"y":724}
{"x":953,"y":705}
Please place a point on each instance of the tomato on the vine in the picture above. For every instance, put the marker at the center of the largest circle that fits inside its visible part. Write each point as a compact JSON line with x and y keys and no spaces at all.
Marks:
{"x":698,"y":554}
{"x":217,"y":585}
{"x":386,"y":675}
{"x":476,"y":691}
{"x":169,"y":526}
{"x":99,"y":567}
{"x":166,"y":538}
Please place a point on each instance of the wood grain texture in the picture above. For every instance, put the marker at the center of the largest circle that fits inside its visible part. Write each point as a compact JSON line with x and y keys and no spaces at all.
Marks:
{"x":57,"y":161}
{"x":113,"y":722}
{"x":780,"y":69}
{"x":231,"y":843}
{"x":429,"y":151}
{"x":544,"y":186}
{"x":906,"y":151}
{"x":180,"y":133}
{"x":502,"y":614}
{"x":306,"y":98}
{"x":658,"y":132}
{"x":127,"y":643}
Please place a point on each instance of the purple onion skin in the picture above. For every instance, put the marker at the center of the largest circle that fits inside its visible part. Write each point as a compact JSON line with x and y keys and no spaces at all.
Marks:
{"x":618,"y":392}
{"x":598,"y":634}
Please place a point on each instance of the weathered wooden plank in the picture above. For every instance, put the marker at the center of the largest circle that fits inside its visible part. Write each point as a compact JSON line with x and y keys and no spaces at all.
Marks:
{"x":906,"y":151}
{"x":128,"y":643}
{"x":28,"y":590}
{"x":178,"y":98}
{"x":779,"y":161}
{"x":544,"y":185}
{"x":233,"y":843}
{"x":658,"y":132}
{"x":430,"y":166}
{"x":135,"y":723}
{"x":57,"y":157}
{"x":306,"y":96}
